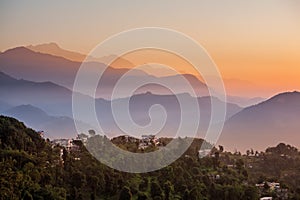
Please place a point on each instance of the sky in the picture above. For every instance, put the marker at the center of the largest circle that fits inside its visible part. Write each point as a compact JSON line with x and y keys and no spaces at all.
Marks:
{"x":254,"y":42}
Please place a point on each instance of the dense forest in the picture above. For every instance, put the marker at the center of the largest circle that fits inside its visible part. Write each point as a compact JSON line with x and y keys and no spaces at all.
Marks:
{"x":32,"y":167}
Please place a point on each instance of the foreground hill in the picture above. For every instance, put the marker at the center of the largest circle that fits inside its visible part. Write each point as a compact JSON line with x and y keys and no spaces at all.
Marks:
{"x":34,"y":168}
{"x":16,"y":136}
{"x":272,"y":121}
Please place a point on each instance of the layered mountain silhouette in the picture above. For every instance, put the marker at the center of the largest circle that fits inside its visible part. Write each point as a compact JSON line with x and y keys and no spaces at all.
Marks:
{"x":52,"y":98}
{"x":49,"y":62}
{"x":267,"y":123}
{"x":54,"y":49}
{"x":21,"y":62}
{"x":56,"y":100}
{"x":4,"y":106}
{"x":139,"y":106}
{"x":32,"y":115}
{"x":54,"y":126}
{"x":45,"y":102}
{"x":24,"y":63}
{"x":243,"y":101}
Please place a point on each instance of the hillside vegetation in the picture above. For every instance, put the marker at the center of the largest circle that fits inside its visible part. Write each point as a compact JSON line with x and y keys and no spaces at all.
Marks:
{"x":33,"y":168}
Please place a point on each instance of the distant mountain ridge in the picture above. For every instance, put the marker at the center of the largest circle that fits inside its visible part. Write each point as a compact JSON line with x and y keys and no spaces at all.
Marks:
{"x":56,"y":100}
{"x":4,"y":106}
{"x":234,"y":87}
{"x":54,"y":126}
{"x":28,"y":113}
{"x":49,"y":62}
{"x":266,"y":122}
{"x":272,"y":121}
{"x":41,"y":94}
{"x":245,"y":102}
{"x":21,"y":62}
{"x":54,"y":49}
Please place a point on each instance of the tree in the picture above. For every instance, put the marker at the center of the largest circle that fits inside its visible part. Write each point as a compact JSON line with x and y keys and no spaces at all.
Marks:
{"x":142,"y":196}
{"x":125,"y":194}
{"x":65,"y":155}
{"x":194,"y":194}
{"x":93,"y":182}
{"x":216,"y":162}
{"x":78,"y":179}
{"x":168,"y":189}
{"x":248,"y":152}
{"x":251,"y":193}
{"x":239,"y":164}
{"x":92,"y":133}
{"x":156,"y":189}
{"x":186,"y":195}
{"x":27,"y":196}
{"x":221,"y":148}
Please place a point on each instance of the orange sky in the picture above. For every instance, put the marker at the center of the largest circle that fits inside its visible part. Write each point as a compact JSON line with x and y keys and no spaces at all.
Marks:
{"x":255,"y":44}
{"x":243,"y":74}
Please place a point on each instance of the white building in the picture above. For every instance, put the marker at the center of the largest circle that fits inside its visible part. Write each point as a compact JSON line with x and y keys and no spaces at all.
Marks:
{"x":266,"y":198}
{"x":148,"y":140}
{"x":203,"y":152}
{"x":67,"y":143}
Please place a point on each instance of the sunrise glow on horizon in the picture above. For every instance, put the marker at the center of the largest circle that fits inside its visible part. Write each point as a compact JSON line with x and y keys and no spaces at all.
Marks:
{"x":255,"y":44}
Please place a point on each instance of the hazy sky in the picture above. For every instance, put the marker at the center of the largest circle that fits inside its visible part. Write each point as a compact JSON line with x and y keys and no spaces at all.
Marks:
{"x":257,"y":41}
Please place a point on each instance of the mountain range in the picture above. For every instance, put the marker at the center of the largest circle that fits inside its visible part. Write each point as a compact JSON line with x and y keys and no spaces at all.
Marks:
{"x":269,"y":122}
{"x":41,"y":96}
{"x":49,"y":62}
{"x":24,"y":63}
{"x":53,"y":126}
{"x":55,"y":50}
{"x":56,"y":100}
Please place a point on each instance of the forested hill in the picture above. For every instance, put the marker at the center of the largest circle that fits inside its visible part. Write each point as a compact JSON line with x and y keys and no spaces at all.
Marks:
{"x":15,"y":136}
{"x":34,"y":168}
